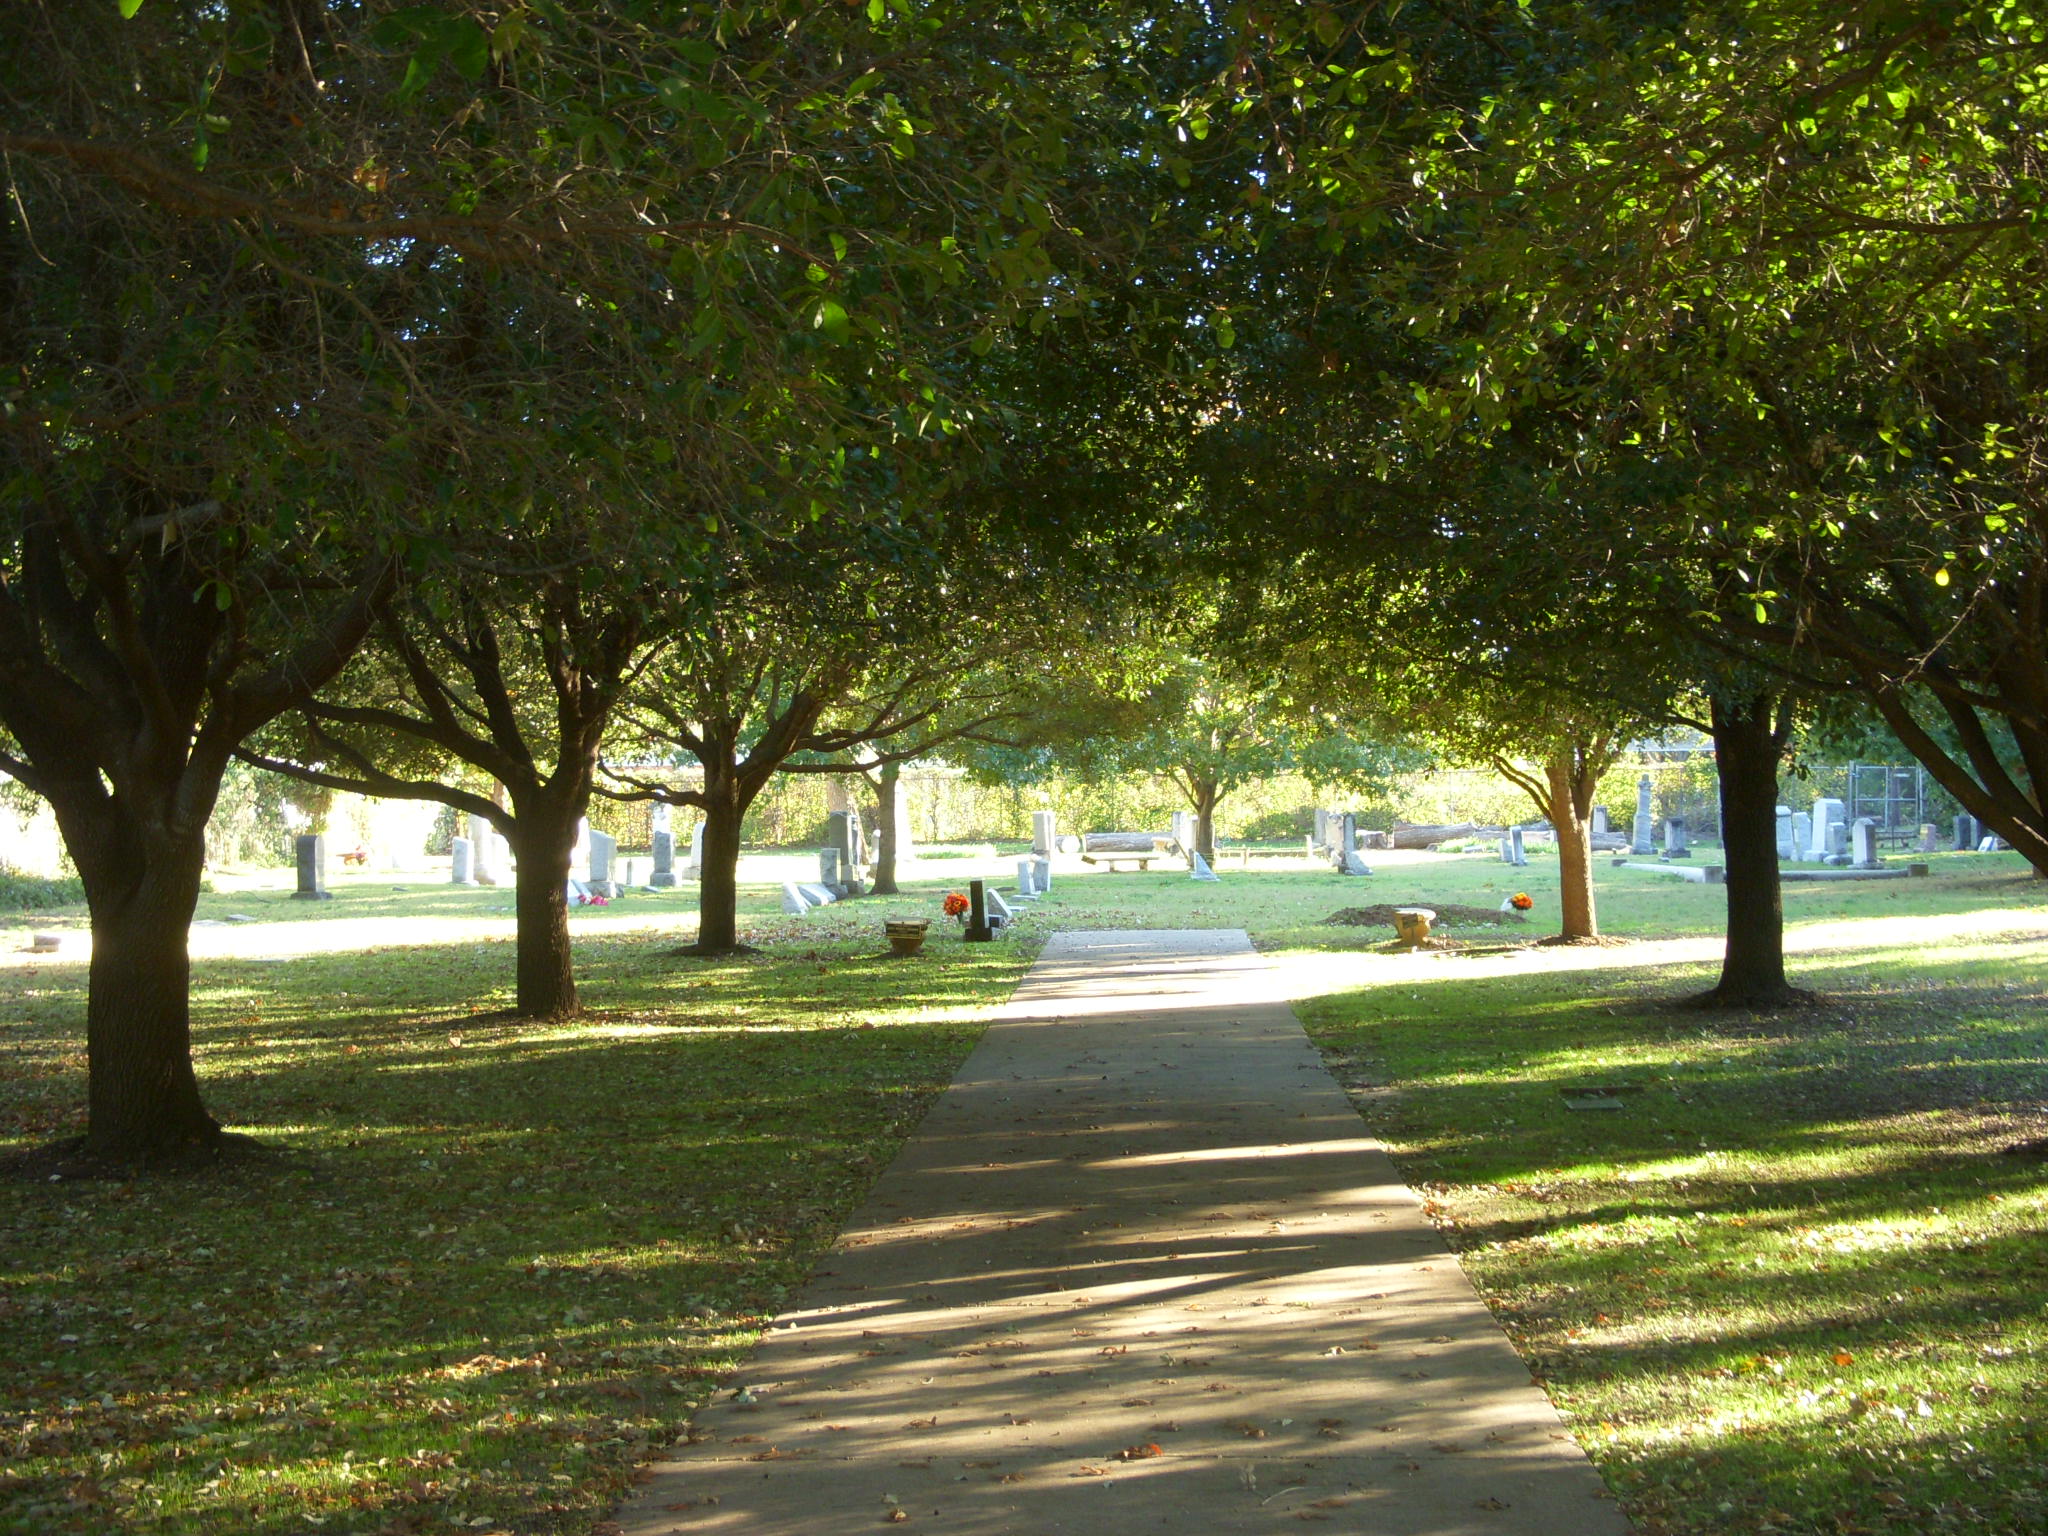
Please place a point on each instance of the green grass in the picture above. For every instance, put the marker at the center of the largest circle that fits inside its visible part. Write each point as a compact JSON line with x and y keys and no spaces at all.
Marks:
{"x":494,"y":1267}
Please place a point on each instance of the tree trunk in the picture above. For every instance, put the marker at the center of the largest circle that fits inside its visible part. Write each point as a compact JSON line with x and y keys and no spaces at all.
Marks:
{"x":1747,"y":746}
{"x":888,"y":818}
{"x":718,"y":878}
{"x":1570,"y":808}
{"x":543,"y":839}
{"x":143,"y":1102}
{"x":1205,"y":797}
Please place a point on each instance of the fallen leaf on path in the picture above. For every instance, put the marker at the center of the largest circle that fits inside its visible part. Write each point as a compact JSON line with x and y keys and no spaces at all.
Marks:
{"x":1139,"y":1452}
{"x":1491,"y":1504}
{"x":930,"y":1423}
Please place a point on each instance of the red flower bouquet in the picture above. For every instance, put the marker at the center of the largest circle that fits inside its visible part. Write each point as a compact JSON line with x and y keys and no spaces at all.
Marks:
{"x":1521,"y":901}
{"x":955,"y":904}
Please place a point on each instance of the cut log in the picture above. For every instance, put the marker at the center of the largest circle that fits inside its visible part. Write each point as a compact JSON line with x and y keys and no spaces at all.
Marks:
{"x":1410,"y":835}
{"x":1123,"y":842}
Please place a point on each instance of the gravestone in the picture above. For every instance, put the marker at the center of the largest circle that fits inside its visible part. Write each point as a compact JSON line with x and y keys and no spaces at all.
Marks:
{"x":664,"y":876}
{"x":1864,"y":838}
{"x":1521,"y":854}
{"x":1027,"y":884}
{"x":1184,"y":830}
{"x":604,"y":851}
{"x":1838,"y":844}
{"x":999,"y":909}
{"x":1930,"y":834}
{"x":1964,"y":842}
{"x":461,"y":865}
{"x":311,"y":849}
{"x":660,"y":817}
{"x":1827,"y":812}
{"x":1507,"y":851}
{"x":490,"y":863}
{"x":1674,"y":839}
{"x":978,"y":930}
{"x":1786,"y":850}
{"x":1041,"y":875}
{"x":1348,"y":861}
{"x":1321,"y":834}
{"x":1645,"y":827}
{"x":694,"y":869}
{"x":1044,"y":833}
{"x":843,"y":834}
{"x":794,"y":902}
{"x":580,"y":854}
{"x":1802,"y":835}
{"x":818,"y":895}
{"x":1599,"y":821}
{"x":1202,"y":871}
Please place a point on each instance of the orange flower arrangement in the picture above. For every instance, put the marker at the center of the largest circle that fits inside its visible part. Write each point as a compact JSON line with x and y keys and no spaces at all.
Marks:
{"x":955,"y":904}
{"x":1522,"y":901}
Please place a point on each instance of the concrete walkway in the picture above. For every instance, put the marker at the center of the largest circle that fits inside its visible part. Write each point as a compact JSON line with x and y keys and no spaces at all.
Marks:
{"x":1139,"y":1270}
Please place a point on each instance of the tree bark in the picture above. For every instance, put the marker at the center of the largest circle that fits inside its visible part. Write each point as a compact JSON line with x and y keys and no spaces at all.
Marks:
{"x":1572,"y":785}
{"x":727,"y":793}
{"x":142,"y":1096}
{"x":543,"y":841}
{"x":887,"y":819}
{"x":1205,"y":795}
{"x":1749,"y":739}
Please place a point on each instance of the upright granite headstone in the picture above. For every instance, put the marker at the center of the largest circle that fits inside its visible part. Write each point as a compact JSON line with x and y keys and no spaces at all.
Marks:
{"x":461,"y":862}
{"x":1930,"y":835}
{"x":1044,"y":833}
{"x":1507,"y":851}
{"x":1802,"y":835}
{"x":1646,"y":826}
{"x":1027,"y":882}
{"x":1599,"y":821}
{"x":1674,"y":839}
{"x":1964,"y":842}
{"x":311,"y":849}
{"x":694,"y":870}
{"x":978,"y":930}
{"x":664,"y":876}
{"x":604,"y":851}
{"x":843,"y":833}
{"x":1786,"y":850}
{"x":1838,"y":843}
{"x":1041,"y":874}
{"x":1827,"y":812}
{"x":1321,"y":834}
{"x":1345,"y":843}
{"x":484,"y":840}
{"x":829,"y":874}
{"x":1863,"y":837}
{"x":1521,"y":854}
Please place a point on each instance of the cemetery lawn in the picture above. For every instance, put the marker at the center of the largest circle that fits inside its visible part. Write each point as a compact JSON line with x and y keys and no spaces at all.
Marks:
{"x":1797,"y":1281}
{"x":490,"y":1267}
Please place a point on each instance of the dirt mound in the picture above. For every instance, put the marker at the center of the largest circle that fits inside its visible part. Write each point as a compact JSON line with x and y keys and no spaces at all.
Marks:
{"x":1446,"y":916}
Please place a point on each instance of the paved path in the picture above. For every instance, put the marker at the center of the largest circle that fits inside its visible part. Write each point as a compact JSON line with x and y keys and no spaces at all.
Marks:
{"x":1143,"y":1216}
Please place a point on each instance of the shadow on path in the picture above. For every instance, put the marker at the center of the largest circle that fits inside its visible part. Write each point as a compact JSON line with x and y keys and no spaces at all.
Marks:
{"x":1140,"y":1269}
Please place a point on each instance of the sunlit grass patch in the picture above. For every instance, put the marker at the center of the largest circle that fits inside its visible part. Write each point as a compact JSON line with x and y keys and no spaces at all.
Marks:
{"x":1795,"y":1281}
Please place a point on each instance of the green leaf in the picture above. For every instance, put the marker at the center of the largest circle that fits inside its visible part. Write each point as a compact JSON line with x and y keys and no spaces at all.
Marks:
{"x":466,"y":45}
{"x":832,"y":320}
{"x":878,"y":11}
{"x":129,"y":8}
